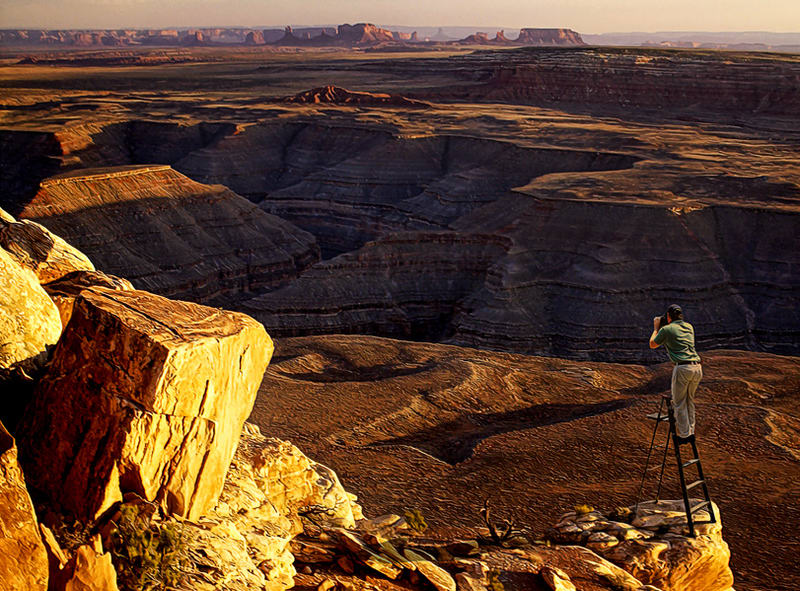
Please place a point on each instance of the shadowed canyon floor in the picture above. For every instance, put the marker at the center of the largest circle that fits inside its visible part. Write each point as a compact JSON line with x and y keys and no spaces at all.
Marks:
{"x":540,"y":201}
{"x":442,"y":428}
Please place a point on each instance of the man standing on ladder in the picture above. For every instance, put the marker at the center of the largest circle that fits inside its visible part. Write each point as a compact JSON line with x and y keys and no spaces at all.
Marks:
{"x":677,"y":335}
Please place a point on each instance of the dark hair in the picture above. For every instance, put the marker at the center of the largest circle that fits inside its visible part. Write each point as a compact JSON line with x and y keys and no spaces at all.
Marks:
{"x":675,"y":312}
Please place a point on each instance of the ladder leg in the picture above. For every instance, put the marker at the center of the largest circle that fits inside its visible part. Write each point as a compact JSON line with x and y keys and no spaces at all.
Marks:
{"x":670,"y":431}
{"x":686,"y":503}
{"x":647,"y":462}
{"x":701,"y":476}
{"x":664,"y":462}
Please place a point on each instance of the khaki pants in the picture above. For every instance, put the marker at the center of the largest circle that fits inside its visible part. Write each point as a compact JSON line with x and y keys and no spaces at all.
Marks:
{"x":684,"y":384}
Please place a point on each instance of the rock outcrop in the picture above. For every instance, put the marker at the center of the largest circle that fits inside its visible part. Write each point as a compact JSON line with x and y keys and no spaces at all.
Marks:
{"x":23,"y":560}
{"x":171,"y":235}
{"x":341,"y":96}
{"x":36,"y":248}
{"x":270,"y":483}
{"x":655,"y":547}
{"x":29,"y":321}
{"x":362,"y":34}
{"x":156,"y":410}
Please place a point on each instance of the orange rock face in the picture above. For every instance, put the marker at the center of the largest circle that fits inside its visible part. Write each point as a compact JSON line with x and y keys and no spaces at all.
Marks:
{"x":146,"y":395}
{"x":23,"y":560}
{"x":36,"y":248}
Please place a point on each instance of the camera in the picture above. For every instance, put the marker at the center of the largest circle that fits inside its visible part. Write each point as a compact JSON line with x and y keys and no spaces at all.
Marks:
{"x":663,"y":321}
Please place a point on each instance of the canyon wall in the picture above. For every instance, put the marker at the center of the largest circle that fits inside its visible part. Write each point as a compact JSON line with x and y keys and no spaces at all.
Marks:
{"x":170,"y":234}
{"x":556,"y":221}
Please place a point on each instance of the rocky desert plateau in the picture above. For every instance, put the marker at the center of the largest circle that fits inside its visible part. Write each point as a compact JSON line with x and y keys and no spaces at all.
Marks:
{"x":348,"y":310}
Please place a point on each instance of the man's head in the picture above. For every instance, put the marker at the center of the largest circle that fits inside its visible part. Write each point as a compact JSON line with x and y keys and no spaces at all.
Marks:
{"x":674,"y":313}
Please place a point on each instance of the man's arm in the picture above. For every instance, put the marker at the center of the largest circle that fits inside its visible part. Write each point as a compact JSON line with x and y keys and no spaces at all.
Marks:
{"x":656,"y":326}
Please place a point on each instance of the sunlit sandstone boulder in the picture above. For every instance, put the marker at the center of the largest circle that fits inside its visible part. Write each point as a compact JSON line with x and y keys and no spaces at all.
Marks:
{"x":29,"y":320}
{"x":23,"y":560}
{"x":64,"y":290}
{"x":36,"y":248}
{"x":146,"y":395}
{"x":655,"y":548}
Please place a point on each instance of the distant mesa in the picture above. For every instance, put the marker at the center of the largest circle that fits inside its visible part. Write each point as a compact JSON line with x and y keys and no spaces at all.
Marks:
{"x":359,"y":35}
{"x":543,"y":37}
{"x":549,"y":37}
{"x":337,"y":95}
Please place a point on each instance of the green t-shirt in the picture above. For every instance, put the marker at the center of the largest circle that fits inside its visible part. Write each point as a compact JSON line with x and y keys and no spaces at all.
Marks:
{"x":678,"y":338}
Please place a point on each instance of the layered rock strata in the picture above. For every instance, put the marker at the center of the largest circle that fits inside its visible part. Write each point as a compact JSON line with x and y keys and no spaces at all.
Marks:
{"x":630,"y":78}
{"x":169,"y":234}
{"x":641,"y":150}
{"x":159,"y":391}
{"x":23,"y":560}
{"x":404,"y":285}
{"x":573,"y":281}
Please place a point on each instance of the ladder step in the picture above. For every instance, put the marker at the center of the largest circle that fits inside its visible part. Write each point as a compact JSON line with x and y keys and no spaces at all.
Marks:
{"x":657,"y":417}
{"x":700,"y":506}
{"x":693,"y":484}
{"x":690,"y":462}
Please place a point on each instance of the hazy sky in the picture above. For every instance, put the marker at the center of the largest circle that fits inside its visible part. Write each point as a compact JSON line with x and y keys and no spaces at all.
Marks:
{"x":587,"y":16}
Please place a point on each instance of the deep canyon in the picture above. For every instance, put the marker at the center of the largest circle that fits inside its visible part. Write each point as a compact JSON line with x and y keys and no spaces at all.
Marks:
{"x":467,"y":246}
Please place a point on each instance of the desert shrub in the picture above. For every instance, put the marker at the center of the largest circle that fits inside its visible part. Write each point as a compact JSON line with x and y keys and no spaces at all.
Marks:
{"x":148,"y":556}
{"x":583,"y":509}
{"x":415,"y":520}
{"x":71,"y":536}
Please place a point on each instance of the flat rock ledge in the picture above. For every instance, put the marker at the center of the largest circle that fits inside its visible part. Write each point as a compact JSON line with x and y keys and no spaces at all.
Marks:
{"x":655,"y":546}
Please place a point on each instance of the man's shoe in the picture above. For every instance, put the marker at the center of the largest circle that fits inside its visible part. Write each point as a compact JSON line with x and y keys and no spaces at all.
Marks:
{"x":687,"y":439}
